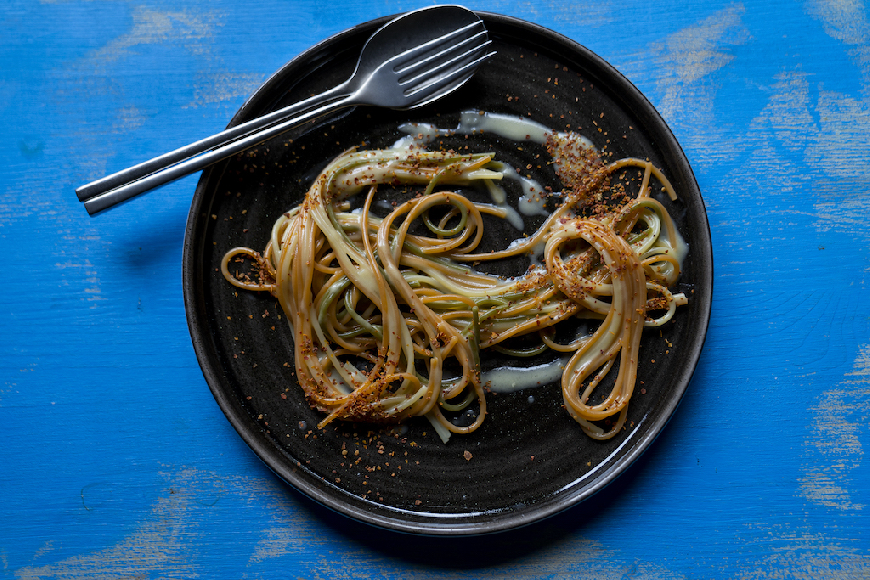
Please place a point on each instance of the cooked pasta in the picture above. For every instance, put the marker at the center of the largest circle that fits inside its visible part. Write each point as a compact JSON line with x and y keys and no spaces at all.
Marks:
{"x":389,"y":319}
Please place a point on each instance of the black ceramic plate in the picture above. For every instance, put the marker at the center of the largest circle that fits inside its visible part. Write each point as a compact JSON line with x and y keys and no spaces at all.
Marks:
{"x":529,"y":459}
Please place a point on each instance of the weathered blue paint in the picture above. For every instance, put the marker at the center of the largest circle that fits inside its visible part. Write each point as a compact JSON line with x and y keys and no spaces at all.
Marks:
{"x":116,"y":462}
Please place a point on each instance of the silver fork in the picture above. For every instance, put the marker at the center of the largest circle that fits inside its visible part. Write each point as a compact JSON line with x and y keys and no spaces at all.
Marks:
{"x":411,"y":61}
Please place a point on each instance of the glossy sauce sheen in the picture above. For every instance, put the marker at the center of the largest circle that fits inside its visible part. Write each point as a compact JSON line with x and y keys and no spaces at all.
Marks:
{"x":509,"y":378}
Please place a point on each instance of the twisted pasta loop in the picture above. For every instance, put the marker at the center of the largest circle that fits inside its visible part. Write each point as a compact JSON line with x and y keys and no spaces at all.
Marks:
{"x":389,"y":323}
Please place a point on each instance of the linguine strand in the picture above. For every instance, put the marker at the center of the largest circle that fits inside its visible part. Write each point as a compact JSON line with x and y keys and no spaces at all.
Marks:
{"x":388,"y":323}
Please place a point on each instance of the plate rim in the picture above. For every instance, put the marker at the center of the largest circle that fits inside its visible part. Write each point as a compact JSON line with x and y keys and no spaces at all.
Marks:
{"x":447,"y":524}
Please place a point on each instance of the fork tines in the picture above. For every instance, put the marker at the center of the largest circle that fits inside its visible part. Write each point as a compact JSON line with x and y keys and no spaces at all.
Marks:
{"x":425,"y":53}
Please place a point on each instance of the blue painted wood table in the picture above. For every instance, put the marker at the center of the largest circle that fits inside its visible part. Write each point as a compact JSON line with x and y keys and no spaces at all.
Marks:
{"x":116,"y":461}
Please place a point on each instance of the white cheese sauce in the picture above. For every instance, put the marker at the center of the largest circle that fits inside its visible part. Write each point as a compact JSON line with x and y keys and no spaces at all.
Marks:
{"x":508,"y":379}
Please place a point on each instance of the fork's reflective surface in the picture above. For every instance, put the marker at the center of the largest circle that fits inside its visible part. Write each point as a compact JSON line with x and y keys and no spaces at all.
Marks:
{"x":423,"y":75}
{"x":411,"y":61}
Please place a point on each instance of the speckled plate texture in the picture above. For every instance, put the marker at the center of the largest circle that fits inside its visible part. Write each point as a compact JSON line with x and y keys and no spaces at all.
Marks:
{"x":529,"y":460}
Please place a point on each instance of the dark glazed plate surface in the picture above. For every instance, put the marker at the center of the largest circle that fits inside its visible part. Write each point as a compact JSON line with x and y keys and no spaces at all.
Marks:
{"x":529,"y":460}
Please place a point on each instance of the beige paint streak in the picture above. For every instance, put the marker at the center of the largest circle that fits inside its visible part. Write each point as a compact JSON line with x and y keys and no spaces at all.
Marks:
{"x":94,"y":75}
{"x":803,"y":556}
{"x":842,"y":19}
{"x":46,"y":548}
{"x":165,"y":541}
{"x":85,"y":272}
{"x":224,"y":86}
{"x":566,"y":556}
{"x":157,"y":27}
{"x":569,"y":557}
{"x":687,"y":60}
{"x":841,"y":148}
{"x":826,"y":130}
{"x":834,"y":447}
{"x":196,"y":35}
{"x":156,"y":548}
{"x":587,"y":12}
{"x":829,"y":130}
{"x":275,"y":542}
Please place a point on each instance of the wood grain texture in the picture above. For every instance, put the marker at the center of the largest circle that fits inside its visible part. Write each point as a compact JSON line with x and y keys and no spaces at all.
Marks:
{"x":117,"y":462}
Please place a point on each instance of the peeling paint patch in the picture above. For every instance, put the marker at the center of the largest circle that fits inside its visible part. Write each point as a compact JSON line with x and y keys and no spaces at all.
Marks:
{"x":844,"y":121}
{"x":168,"y":540}
{"x":787,"y":113}
{"x":828,"y":130}
{"x":861,"y":367}
{"x":567,"y":558}
{"x":92,"y":291}
{"x":94,"y":78}
{"x":172,"y":535}
{"x":157,"y":547}
{"x":46,"y":548}
{"x":690,"y":55}
{"x":155,"y":27}
{"x":18,"y":201}
{"x":127,"y":119}
{"x":833,"y":448}
{"x":687,"y":60}
{"x":842,"y":19}
{"x":588,"y":12}
{"x":801,"y":556}
{"x":222,"y":87}
{"x":276,"y":542}
{"x":846,"y":215}
{"x":840,"y":146}
{"x":832,"y":131}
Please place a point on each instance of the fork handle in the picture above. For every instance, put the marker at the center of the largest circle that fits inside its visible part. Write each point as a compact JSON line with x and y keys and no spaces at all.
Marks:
{"x":104,"y":193}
